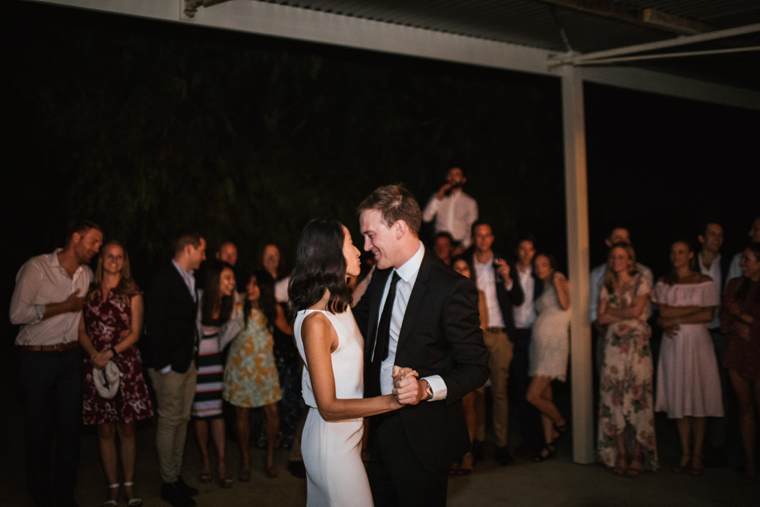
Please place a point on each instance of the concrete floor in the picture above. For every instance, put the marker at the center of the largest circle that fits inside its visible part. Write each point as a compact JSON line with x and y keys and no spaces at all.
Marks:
{"x":558,"y":482}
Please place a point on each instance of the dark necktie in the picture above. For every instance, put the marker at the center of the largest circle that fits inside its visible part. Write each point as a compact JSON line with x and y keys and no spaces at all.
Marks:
{"x":382,"y":337}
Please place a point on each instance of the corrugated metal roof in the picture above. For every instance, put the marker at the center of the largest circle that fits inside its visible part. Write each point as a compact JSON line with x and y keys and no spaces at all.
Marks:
{"x":589,"y":26}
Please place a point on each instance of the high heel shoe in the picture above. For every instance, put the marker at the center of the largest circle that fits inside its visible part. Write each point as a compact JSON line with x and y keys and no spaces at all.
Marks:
{"x":683,"y":464}
{"x":134,"y":501}
{"x":205,"y":475}
{"x":225,"y":480}
{"x":110,"y":501}
{"x":561,"y":431}
{"x":546,"y":453}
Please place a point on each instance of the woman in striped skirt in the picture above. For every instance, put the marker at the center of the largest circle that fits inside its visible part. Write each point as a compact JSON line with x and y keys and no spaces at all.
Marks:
{"x":214,"y":328}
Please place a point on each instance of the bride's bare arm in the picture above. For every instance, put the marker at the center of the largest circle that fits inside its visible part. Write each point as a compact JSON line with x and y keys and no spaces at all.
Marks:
{"x":319,"y":341}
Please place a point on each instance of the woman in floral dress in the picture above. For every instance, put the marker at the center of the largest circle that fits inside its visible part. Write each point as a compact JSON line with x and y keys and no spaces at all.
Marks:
{"x":250,"y":377}
{"x":110,"y":327}
{"x":626,"y":409}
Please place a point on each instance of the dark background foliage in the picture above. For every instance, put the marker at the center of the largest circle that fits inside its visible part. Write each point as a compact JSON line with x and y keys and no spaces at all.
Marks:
{"x":149,"y":127}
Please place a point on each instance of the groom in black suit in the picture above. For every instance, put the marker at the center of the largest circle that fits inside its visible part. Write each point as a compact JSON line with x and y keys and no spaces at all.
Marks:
{"x":431,"y":324}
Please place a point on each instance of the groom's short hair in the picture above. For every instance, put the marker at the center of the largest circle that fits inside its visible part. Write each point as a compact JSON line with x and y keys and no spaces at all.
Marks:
{"x":395,"y":203}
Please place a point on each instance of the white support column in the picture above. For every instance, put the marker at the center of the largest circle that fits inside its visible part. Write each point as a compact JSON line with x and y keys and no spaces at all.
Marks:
{"x":576,"y":197}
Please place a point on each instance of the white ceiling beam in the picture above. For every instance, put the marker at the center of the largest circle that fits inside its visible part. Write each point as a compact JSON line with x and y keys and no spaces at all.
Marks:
{"x":313,"y":26}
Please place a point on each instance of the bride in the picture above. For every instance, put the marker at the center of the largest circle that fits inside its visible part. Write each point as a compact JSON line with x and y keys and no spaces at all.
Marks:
{"x":332,"y":348}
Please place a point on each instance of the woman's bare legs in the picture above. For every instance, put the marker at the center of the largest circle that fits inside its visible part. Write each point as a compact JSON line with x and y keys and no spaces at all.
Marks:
{"x":748,"y":397}
{"x":128,"y":453}
{"x":243,"y":436}
{"x":273,"y":426}
{"x":107,"y":444}
{"x":201,"y":437}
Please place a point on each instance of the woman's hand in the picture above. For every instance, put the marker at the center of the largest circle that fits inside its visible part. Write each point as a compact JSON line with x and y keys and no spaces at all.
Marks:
{"x":669,"y":326}
{"x":99,"y":360}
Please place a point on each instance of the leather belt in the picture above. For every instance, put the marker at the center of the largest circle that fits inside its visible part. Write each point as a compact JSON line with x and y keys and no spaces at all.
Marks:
{"x":58,"y":347}
{"x":496,"y":329}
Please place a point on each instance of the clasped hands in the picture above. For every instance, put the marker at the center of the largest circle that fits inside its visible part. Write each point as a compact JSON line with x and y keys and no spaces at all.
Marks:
{"x":407,"y":388}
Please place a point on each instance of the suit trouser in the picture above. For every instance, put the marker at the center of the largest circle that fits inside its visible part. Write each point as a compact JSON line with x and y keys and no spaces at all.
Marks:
{"x":396,"y":476}
{"x":174,"y":394}
{"x":51,"y":387}
{"x":500,"y":351}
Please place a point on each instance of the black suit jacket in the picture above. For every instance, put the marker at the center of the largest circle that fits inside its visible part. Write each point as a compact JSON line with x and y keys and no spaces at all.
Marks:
{"x":170,"y":316}
{"x":440,"y":335}
{"x":508,"y":299}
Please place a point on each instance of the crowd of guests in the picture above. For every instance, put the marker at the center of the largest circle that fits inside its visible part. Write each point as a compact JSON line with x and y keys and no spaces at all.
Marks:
{"x":206,"y":343}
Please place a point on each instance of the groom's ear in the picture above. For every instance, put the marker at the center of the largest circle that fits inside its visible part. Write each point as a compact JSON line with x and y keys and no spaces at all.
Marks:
{"x":399,"y":228}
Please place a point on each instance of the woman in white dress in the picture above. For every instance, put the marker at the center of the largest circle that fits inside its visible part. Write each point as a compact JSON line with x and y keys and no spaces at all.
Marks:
{"x":688,"y":386}
{"x":332,"y":348}
{"x":549,"y":351}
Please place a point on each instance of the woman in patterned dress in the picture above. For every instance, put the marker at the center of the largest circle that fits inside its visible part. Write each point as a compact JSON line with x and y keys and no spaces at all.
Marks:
{"x":626,"y":409}
{"x":740,"y":321}
{"x":110,"y":327}
{"x":250,"y":377}
{"x":215,"y":327}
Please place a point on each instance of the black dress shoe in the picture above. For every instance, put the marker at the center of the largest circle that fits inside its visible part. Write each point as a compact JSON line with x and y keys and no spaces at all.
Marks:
{"x":183,"y":487}
{"x":504,"y":457}
{"x":171,"y":493}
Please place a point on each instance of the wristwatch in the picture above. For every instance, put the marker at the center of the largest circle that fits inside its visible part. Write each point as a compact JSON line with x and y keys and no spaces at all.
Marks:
{"x":429,"y":391}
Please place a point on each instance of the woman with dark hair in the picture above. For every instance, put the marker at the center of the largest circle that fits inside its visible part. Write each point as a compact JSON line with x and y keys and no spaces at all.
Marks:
{"x":216,"y":329}
{"x":250,"y":377}
{"x":626,"y":438}
{"x":740,"y":322}
{"x":110,"y":327}
{"x":549,"y":350}
{"x":688,"y":386}
{"x":332,"y":347}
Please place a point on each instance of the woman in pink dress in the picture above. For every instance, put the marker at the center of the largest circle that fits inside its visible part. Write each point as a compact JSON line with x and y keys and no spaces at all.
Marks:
{"x":688,"y":386}
{"x":110,"y":327}
{"x":740,"y":322}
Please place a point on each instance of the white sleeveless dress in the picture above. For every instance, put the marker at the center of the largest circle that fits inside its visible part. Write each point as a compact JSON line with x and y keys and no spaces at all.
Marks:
{"x":331,"y":450}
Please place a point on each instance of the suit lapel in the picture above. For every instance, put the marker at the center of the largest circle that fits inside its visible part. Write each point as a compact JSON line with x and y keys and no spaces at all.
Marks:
{"x":415,"y":300}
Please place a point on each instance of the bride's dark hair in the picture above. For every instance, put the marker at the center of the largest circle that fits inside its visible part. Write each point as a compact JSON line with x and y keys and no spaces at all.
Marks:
{"x":320,"y":265}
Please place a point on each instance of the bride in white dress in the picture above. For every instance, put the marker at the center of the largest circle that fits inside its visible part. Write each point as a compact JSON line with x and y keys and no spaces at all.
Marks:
{"x":332,"y":348}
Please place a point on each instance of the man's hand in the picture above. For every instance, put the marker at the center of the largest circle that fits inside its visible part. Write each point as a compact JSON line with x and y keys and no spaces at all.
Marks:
{"x":74,"y":302}
{"x":407,"y":389}
{"x":503,"y":270}
{"x":444,"y":190}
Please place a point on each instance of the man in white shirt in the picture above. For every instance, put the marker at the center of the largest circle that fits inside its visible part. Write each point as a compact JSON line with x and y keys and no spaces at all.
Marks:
{"x":495,"y":277}
{"x":453,"y":210}
{"x":617,"y":235}
{"x":710,"y":262}
{"x":525,"y":316}
{"x":47,"y":304}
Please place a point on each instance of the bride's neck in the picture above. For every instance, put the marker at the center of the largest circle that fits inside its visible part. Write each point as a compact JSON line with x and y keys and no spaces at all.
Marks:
{"x":322,"y":303}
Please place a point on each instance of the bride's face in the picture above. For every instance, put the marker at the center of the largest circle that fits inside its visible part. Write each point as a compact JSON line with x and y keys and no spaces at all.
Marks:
{"x":351,"y":253}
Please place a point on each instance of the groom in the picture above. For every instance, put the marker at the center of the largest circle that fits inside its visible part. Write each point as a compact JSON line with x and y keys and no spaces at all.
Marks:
{"x":431,"y":324}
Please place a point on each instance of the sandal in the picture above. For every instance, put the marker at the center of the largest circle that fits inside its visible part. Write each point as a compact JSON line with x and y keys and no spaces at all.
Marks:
{"x":635,"y":470}
{"x":683,"y":464}
{"x":561,"y":431}
{"x":134,"y":501}
{"x":111,"y":502}
{"x":205,"y":476}
{"x":466,"y":464}
{"x":225,"y":480}
{"x":697,"y":471}
{"x":546,"y":453}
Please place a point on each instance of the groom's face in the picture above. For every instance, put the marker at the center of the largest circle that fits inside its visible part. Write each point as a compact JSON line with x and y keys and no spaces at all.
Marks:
{"x":378,"y":237}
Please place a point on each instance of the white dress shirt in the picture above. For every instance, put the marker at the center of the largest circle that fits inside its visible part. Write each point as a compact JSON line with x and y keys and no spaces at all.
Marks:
{"x":525,"y":314}
{"x":454,"y":214}
{"x":408,"y":275}
{"x":39,"y":282}
{"x":713,"y":272}
{"x":485,"y":277}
